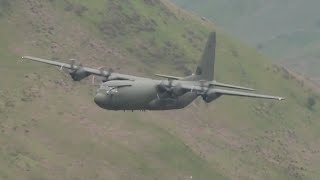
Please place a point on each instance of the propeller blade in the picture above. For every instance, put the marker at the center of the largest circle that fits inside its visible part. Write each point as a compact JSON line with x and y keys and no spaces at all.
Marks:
{"x":105,"y":73}
{"x":110,"y":70}
{"x":93,"y":80}
{"x":170,"y":83}
{"x":73,"y":62}
{"x":64,"y":71}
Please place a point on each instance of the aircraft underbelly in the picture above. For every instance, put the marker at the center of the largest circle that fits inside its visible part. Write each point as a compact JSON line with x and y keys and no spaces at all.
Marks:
{"x":132,"y":101}
{"x":140,"y":102}
{"x":172,"y":103}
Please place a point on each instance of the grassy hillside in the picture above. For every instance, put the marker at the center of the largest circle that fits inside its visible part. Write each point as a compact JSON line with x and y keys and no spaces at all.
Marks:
{"x":310,"y":69}
{"x":268,"y":23}
{"x":51,"y":129}
{"x":281,"y":29}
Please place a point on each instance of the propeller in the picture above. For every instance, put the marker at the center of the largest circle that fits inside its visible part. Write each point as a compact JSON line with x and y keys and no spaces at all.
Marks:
{"x":73,"y":62}
{"x":202,"y":85}
{"x":204,"y":91}
{"x":76,"y":71}
{"x":171,"y":90}
{"x":67,"y":72}
{"x":165,"y":87}
{"x":106,"y":74}
{"x":102,"y":79}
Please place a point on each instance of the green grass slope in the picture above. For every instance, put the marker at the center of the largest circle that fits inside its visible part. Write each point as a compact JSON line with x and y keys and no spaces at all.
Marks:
{"x":283,"y":30}
{"x":306,"y":64}
{"x":268,"y":23}
{"x":51,"y":129}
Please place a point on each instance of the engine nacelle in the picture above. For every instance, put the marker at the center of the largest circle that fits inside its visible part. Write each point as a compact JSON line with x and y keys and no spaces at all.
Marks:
{"x":210,"y":96}
{"x":173,"y":91}
{"x":79,"y":74}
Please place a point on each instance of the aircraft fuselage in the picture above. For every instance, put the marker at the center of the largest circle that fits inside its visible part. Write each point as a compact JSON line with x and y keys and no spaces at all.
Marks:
{"x":139,"y":95}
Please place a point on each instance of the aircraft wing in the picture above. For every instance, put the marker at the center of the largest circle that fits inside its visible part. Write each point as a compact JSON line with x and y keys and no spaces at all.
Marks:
{"x":90,"y":71}
{"x":245,"y":94}
{"x":228,"y":92}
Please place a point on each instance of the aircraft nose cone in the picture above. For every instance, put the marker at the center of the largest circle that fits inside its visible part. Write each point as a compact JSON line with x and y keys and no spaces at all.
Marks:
{"x":100,"y":99}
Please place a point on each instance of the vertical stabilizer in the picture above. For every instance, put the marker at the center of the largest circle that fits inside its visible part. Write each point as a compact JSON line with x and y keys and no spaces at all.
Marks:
{"x":205,"y":70}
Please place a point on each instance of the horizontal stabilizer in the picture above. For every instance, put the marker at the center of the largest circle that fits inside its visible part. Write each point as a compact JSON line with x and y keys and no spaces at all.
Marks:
{"x":230,"y":86}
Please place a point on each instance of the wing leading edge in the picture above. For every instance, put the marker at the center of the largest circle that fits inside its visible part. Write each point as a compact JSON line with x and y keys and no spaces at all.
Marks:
{"x":91,"y":71}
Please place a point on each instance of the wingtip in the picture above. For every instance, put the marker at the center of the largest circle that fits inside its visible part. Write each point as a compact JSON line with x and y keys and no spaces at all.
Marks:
{"x":22,"y":58}
{"x":282,"y":98}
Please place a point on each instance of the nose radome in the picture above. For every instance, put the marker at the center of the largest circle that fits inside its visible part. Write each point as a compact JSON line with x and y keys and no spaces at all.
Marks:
{"x":100,"y":99}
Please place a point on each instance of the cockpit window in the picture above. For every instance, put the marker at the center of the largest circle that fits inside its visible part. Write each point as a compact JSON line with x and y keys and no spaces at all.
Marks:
{"x":112,"y":91}
{"x":105,"y":87}
{"x":108,"y":89}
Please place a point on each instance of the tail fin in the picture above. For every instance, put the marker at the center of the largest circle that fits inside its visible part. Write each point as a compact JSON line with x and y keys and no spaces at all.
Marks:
{"x":205,"y":70}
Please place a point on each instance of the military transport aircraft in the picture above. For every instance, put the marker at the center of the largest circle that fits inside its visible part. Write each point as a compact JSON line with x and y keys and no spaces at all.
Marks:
{"x":126,"y":92}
